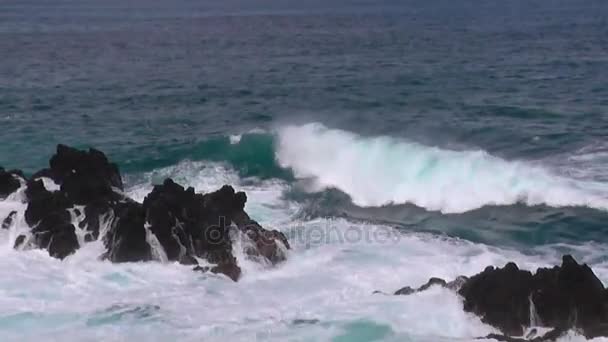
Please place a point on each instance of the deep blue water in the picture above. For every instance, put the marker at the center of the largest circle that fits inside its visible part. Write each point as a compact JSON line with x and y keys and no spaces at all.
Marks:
{"x":156,"y":82}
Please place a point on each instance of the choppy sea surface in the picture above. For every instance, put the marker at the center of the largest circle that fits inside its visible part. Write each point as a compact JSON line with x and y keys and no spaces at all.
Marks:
{"x":392,"y":141}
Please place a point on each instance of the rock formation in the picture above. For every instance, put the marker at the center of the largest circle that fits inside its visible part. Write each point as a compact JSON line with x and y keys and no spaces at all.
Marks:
{"x":566,"y":297}
{"x":172,"y":224}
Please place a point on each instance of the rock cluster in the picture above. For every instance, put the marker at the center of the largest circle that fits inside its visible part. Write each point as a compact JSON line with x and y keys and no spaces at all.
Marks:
{"x":80,"y":198}
{"x":566,"y":297}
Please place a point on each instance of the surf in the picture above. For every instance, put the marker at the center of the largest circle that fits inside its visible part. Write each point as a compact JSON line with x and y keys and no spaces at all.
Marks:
{"x":384,"y":170}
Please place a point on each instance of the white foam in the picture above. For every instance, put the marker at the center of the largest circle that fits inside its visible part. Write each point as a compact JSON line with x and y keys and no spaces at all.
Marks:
{"x":378,"y":171}
{"x":235,"y":139}
{"x":265,"y":197}
{"x":15,"y":202}
{"x":49,"y":184}
{"x":322,"y":292}
{"x":326,"y":284}
{"x":588,"y":162}
{"x":158,"y":252}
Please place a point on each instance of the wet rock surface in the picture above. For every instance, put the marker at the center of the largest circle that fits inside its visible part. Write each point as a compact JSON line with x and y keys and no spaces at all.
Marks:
{"x":565,"y":297}
{"x":172,"y":223}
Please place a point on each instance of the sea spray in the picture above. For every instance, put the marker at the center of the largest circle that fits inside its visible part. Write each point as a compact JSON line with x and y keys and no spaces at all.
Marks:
{"x":377,"y":171}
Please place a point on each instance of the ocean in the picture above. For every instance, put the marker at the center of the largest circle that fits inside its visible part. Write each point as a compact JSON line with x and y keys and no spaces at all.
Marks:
{"x":391,"y":141}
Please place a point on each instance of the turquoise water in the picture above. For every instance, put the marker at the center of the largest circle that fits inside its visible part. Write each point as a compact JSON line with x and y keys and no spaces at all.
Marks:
{"x":471,"y":132}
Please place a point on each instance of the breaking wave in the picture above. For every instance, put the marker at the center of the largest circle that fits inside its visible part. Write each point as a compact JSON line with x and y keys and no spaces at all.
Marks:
{"x":383,"y":170}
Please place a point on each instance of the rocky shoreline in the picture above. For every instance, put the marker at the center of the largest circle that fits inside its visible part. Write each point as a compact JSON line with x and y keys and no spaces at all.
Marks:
{"x":79,"y":198}
{"x":81,"y":193}
{"x":562,"y":298}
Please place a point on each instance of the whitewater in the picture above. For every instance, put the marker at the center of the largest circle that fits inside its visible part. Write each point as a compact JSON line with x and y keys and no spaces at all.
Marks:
{"x":378,"y":171}
{"x":390,"y":141}
{"x":325,"y":290}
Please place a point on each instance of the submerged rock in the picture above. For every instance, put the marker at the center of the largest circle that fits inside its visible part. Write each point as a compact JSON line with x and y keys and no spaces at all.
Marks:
{"x":172,"y":223}
{"x":19,"y":241}
{"x":454,"y":285}
{"x":8,"y":221}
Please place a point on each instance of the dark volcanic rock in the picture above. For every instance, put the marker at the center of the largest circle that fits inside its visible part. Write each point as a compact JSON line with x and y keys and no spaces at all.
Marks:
{"x":71,"y":164}
{"x":433,"y":282}
{"x":501,"y":297}
{"x":95,"y":215}
{"x":50,"y":220}
{"x":86,"y":178}
{"x":454,"y":285}
{"x":571,"y":296}
{"x":171,"y":212}
{"x":564,"y":297}
{"x":188,"y":224}
{"x":172,"y":224}
{"x":267,"y":243}
{"x":404,"y":291}
{"x":9,"y":182}
{"x":126,"y":240}
{"x":19,"y":241}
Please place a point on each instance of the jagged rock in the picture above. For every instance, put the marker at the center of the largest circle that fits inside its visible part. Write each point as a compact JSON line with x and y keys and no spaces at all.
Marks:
{"x":267,"y":242}
{"x":185,"y":224}
{"x":95,"y":215}
{"x":571,"y":296}
{"x":405,"y":291}
{"x":50,"y":220}
{"x":501,"y":297}
{"x":188,"y":224}
{"x":171,"y":212}
{"x":9,"y":182}
{"x":173,"y":223}
{"x":433,"y":282}
{"x":19,"y":241}
{"x":453,"y":285}
{"x":8,"y":221}
{"x":126,"y":240}
{"x":86,"y":178}
{"x":564,"y":297}
{"x":70,"y":163}
{"x":456,"y":284}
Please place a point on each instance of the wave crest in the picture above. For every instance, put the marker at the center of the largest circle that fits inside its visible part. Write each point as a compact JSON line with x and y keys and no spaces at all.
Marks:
{"x":377,"y":171}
